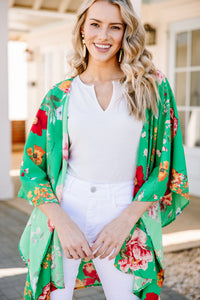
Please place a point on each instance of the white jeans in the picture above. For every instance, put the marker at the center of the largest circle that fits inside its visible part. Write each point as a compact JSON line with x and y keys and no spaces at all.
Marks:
{"x":91,"y":207}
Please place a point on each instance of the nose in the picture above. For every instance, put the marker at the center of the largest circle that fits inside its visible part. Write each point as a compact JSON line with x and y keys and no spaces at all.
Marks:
{"x":103,"y":33}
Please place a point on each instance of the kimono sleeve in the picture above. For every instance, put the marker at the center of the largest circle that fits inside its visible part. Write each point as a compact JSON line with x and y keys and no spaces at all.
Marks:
{"x":164,"y":175}
{"x":36,"y":186}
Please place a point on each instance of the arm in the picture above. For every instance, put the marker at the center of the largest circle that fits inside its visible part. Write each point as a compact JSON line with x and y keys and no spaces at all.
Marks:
{"x":72,"y":239}
{"x":160,"y":172}
{"x":114,"y":233}
{"x":37,"y":184}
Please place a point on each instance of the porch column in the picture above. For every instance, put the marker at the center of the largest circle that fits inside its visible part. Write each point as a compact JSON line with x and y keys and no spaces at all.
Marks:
{"x":6,"y":186}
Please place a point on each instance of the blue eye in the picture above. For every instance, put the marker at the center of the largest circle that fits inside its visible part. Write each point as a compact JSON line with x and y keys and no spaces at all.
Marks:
{"x":94,"y":24}
{"x":116,"y":27}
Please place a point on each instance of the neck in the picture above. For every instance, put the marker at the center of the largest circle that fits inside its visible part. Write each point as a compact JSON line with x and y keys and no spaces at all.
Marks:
{"x":102,"y":71}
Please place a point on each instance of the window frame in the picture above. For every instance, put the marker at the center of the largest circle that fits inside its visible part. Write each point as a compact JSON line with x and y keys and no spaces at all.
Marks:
{"x":175,"y":28}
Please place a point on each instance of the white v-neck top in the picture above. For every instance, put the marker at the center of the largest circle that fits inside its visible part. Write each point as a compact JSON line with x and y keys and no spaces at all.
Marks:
{"x":103,"y":143}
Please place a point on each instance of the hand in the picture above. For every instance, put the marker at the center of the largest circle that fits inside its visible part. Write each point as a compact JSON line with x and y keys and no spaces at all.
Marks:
{"x":73,"y":241}
{"x":112,"y":237}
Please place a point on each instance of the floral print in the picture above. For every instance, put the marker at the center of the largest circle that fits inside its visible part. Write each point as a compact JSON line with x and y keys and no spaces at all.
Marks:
{"x":158,"y":178}
{"x":40,"y":122}
{"x":36,"y":154}
{"x":139,"y":179}
{"x":65,"y":146}
{"x":45,"y":293}
{"x":137,"y":254}
{"x":173,"y":122}
{"x":89,"y":270}
{"x":163,"y":170}
{"x":151,"y":296}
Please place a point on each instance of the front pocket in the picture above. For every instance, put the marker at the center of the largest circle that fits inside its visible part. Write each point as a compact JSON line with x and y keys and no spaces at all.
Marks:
{"x":123,"y":195}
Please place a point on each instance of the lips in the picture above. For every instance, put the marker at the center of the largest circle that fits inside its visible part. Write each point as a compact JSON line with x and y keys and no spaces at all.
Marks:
{"x":102,"y":47}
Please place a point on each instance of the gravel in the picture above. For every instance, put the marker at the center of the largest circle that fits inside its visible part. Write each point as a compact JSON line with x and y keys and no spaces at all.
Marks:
{"x":182,"y":272}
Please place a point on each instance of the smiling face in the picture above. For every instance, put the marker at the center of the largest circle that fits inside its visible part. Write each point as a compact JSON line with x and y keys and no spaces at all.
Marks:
{"x":103,"y":30}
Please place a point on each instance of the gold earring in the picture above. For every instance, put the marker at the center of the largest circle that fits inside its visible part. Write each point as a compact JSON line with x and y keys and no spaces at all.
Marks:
{"x":120,"y":55}
{"x":84,"y":46}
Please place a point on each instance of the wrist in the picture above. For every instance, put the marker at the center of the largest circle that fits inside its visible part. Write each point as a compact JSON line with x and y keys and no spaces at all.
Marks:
{"x":129,"y":218}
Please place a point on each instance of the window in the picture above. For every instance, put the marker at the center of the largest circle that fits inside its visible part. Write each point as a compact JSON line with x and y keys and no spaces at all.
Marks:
{"x":184,"y":73}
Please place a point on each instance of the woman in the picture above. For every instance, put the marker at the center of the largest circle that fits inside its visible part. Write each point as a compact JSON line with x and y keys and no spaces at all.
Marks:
{"x":106,"y":142}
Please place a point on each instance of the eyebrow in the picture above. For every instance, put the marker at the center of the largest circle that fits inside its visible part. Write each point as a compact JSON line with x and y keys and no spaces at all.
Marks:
{"x":114,"y":23}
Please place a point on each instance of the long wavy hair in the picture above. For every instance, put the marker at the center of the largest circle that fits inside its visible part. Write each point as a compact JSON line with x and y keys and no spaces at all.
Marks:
{"x":140,"y":74}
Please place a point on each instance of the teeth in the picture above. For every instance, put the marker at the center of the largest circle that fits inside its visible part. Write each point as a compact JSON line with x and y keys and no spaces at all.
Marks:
{"x":103,"y":46}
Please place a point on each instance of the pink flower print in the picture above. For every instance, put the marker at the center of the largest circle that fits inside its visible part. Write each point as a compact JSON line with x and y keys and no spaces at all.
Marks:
{"x":125,"y":264}
{"x":65,"y":147}
{"x":137,"y":253}
{"x":152,"y":211}
{"x":50,"y":225}
{"x":160,"y":77}
{"x":174,"y":123}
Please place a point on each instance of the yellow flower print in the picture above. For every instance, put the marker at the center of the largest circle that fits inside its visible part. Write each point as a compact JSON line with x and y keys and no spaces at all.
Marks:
{"x":64,"y":86}
{"x":25,"y":291}
{"x":45,"y":265}
{"x":29,"y":293}
{"x":160,"y":278}
{"x":43,"y":190}
{"x":27,"y":283}
{"x":37,"y":191}
{"x":48,"y":257}
{"x":153,"y":154}
{"x":36,"y":155}
{"x":29,"y":195}
{"x":163,"y":170}
{"x":79,"y":284}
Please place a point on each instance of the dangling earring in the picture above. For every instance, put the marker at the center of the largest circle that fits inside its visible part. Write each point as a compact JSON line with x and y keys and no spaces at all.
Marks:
{"x":84,"y":46}
{"x":120,"y":55}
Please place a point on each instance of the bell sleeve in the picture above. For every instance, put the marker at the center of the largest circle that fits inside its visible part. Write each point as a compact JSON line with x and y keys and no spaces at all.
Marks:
{"x":161,"y":173}
{"x":35,"y":183}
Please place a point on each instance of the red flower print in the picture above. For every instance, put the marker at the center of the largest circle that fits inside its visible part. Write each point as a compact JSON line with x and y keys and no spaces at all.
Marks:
{"x":174,"y":123}
{"x":138,"y":179}
{"x":88,"y":270}
{"x":137,"y":253}
{"x":151,"y":296}
{"x":167,"y":199}
{"x":45,"y":293}
{"x":53,"y":287}
{"x":40,"y":122}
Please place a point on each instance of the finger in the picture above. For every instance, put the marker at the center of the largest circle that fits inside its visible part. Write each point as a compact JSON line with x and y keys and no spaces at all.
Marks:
{"x":107,"y":252}
{"x":117,"y":249}
{"x":67,"y":254}
{"x":88,"y":251}
{"x":80,"y":253}
{"x":101,"y":249}
{"x":88,"y":258}
{"x":97,"y":243}
{"x":74,"y":254}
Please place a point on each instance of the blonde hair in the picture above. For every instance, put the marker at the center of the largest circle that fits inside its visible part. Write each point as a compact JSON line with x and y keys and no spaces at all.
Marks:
{"x":140,"y":74}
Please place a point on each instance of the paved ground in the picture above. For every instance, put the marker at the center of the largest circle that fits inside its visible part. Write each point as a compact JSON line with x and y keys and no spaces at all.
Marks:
{"x":13,"y":271}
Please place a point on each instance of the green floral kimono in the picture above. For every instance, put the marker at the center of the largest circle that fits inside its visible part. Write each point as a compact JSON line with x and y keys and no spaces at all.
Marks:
{"x":160,"y":177}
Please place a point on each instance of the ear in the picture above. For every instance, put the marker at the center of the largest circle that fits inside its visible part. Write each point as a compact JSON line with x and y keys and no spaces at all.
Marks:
{"x":82,"y":30}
